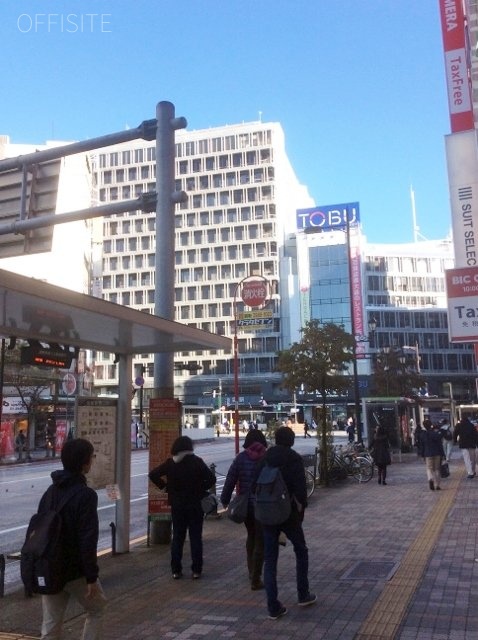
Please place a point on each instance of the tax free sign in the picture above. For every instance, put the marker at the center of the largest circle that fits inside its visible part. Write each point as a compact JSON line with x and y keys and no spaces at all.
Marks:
{"x":462,"y":292}
{"x":328,"y":217}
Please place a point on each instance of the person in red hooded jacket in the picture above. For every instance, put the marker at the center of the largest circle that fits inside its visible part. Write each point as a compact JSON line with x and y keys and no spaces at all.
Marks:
{"x":239,"y":476}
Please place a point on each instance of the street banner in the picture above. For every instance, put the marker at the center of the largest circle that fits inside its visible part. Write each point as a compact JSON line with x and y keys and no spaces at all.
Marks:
{"x":255,"y":320}
{"x":457,"y":65}
{"x":462,"y":162}
{"x":164,"y":428}
{"x":462,"y":293}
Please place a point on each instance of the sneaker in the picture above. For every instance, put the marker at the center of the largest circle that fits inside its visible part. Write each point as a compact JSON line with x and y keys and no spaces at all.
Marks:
{"x":309,"y":599}
{"x":471,"y":475}
{"x":177,"y":575}
{"x":196,"y":576}
{"x":431,"y":485}
{"x":278,"y":614}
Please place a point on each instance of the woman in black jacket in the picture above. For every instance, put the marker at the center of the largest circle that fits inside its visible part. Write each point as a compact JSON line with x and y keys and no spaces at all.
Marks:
{"x":380,"y":449}
{"x":188,"y":479}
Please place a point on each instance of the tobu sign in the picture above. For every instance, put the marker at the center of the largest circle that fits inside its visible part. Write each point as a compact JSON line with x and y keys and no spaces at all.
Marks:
{"x":254,"y":292}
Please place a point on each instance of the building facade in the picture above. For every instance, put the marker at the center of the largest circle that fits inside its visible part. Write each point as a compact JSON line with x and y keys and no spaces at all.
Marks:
{"x":403,"y":299}
{"x":241,"y":199}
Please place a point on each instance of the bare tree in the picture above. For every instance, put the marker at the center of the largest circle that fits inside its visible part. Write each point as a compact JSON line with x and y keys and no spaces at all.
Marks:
{"x":317,"y":363}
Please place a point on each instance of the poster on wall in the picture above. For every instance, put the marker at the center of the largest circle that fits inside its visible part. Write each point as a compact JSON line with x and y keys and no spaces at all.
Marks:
{"x":164,"y":428}
{"x":96,"y":422}
{"x":7,"y":447}
{"x":60,"y":435}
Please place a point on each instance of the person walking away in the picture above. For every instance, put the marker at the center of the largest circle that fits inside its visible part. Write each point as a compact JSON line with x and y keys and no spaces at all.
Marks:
{"x":447,"y":434}
{"x":306,"y":429}
{"x":380,"y":448}
{"x":240,"y":476}
{"x":467,"y":437}
{"x":79,"y":540}
{"x":290,"y":463}
{"x":350,"y":430}
{"x":188,"y":479}
{"x":20,"y":444}
{"x":431,"y":449}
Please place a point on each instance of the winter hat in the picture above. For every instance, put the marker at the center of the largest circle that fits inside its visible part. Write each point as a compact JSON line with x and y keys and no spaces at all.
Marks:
{"x":184,"y":443}
{"x":285,"y":436}
{"x":255,"y":435}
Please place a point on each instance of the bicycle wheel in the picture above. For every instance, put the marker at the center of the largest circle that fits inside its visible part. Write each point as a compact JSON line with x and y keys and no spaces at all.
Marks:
{"x":310,"y":482}
{"x":362,"y":470}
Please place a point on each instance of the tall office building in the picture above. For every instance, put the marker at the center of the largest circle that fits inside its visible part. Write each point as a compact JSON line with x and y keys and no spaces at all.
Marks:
{"x":402,"y":295}
{"x":242,"y":194}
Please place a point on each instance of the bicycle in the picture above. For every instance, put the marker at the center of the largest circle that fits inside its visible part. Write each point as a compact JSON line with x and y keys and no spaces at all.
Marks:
{"x":347,"y":463}
{"x":311,"y":466}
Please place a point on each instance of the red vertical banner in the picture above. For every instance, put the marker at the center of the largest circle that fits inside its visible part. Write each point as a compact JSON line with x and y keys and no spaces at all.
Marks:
{"x":60,"y":435}
{"x":7,"y":446}
{"x":457,"y":65}
{"x":164,"y":428}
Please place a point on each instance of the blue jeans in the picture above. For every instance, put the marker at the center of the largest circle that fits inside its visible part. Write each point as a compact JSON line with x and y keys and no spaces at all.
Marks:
{"x":187,"y":518}
{"x":294,"y":532}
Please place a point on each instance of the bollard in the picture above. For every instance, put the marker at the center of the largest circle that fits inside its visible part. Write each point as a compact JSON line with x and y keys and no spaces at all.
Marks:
{"x":113,"y":538}
{"x":2,"y":575}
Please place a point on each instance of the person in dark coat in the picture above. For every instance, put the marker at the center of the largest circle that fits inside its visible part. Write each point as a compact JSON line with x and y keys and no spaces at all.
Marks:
{"x":467,"y":437}
{"x":79,"y":542}
{"x":380,"y":448}
{"x":188,"y":479}
{"x":240,"y":476}
{"x":431,"y":448}
{"x":290,"y":462}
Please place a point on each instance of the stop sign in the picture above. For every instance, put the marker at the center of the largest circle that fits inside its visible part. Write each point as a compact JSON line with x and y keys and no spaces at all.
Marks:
{"x":254,"y":293}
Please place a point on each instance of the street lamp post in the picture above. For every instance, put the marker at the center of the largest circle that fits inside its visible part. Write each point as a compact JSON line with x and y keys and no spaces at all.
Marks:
{"x":254,"y":293}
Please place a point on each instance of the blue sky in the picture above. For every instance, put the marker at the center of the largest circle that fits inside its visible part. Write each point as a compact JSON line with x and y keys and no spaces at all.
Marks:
{"x":358,"y":86}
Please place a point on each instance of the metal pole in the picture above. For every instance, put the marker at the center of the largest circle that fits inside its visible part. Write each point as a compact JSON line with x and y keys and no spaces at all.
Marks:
{"x":2,"y":375}
{"x":236,"y":376}
{"x":354,"y":347}
{"x":123,"y":454}
{"x":146,"y":130}
{"x":164,"y":269}
{"x":167,"y":123}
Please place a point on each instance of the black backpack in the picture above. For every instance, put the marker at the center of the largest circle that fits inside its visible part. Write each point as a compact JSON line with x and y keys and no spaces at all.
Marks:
{"x":41,"y":564}
{"x":273,"y":502}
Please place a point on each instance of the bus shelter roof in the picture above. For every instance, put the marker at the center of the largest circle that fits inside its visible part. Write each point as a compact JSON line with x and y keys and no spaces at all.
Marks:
{"x":31,"y":308}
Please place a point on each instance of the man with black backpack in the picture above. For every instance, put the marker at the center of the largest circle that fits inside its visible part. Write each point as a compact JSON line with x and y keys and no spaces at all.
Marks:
{"x":283,"y":457}
{"x":78,"y":539}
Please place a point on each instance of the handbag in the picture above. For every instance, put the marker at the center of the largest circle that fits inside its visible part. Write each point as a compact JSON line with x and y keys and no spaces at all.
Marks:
{"x":209,"y":504}
{"x":444,"y":470}
{"x":238,"y":507}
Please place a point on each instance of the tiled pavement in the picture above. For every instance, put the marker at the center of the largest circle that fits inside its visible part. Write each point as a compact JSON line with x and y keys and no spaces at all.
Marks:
{"x":395,"y":561}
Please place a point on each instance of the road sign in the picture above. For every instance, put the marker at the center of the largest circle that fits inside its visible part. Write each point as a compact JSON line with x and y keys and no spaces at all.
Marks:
{"x":255,"y":320}
{"x":254,"y":293}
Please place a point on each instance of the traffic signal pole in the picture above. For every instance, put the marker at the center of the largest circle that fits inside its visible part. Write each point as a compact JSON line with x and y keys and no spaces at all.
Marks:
{"x":167,"y":197}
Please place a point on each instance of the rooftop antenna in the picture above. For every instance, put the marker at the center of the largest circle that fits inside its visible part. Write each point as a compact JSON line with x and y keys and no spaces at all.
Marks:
{"x":416,"y":229}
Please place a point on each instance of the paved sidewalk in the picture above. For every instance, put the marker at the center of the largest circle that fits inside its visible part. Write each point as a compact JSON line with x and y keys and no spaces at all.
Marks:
{"x":387,"y":562}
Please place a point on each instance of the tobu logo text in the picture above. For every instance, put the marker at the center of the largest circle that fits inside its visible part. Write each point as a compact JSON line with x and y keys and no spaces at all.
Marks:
{"x":254,"y":293}
{"x":328,"y":217}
